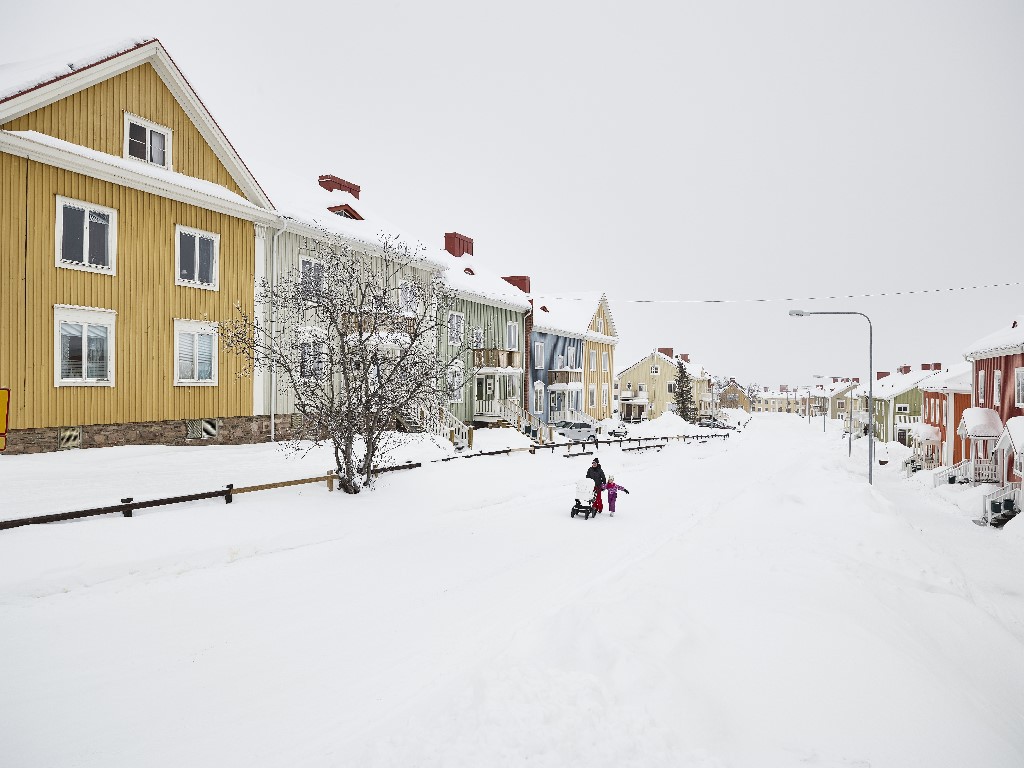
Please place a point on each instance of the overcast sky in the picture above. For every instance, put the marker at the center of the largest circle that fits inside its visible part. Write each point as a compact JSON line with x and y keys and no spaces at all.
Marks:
{"x":667,"y":151}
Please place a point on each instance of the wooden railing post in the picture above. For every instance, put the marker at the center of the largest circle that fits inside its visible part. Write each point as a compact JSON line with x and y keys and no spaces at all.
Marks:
{"x":127,"y":512}
{"x":470,"y":438}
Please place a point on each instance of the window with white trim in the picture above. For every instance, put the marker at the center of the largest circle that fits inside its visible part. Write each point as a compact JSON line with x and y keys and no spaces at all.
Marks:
{"x":559,"y":362}
{"x":997,"y":388}
{"x":86,"y":236}
{"x":512,"y":336}
{"x":195,"y":353}
{"x":538,"y":355}
{"x":83,"y":346}
{"x":570,"y":357}
{"x":593,"y":359}
{"x":604,"y":362}
{"x":671,"y":387}
{"x":641,"y":387}
{"x":456,"y":382}
{"x":408,"y":297}
{"x":604,"y":395}
{"x":655,"y":370}
{"x":147,"y":141}
{"x":538,"y":397}
{"x":600,"y":325}
{"x":902,"y":408}
{"x":981,"y":388}
{"x":477,"y":338}
{"x":592,"y":396}
{"x":456,"y":329}
{"x":196,"y":258}
{"x":1018,"y":387}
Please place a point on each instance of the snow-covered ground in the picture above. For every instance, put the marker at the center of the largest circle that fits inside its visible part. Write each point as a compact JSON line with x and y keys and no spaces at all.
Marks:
{"x":753,"y":603}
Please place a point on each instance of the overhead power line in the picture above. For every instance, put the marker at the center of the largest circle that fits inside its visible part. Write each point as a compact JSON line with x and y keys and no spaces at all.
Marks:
{"x":886,"y":294}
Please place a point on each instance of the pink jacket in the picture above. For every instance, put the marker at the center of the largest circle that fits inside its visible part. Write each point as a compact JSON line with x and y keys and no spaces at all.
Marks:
{"x":613,"y":490}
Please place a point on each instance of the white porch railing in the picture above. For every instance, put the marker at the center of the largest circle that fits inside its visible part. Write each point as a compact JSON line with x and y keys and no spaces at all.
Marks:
{"x":443,"y":423}
{"x":1011,"y":490}
{"x":985,"y":471}
{"x":522,"y":419}
{"x":958,"y":470}
{"x":575,"y":415}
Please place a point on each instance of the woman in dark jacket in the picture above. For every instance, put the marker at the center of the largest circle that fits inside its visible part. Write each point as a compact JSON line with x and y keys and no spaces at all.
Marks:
{"x":596,"y":474}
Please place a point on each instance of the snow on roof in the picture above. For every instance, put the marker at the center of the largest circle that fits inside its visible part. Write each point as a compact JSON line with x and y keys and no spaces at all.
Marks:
{"x":925,"y":432}
{"x":559,"y":316}
{"x":576,"y":310}
{"x":136,"y":167}
{"x":897,"y":383}
{"x":1007,"y":340}
{"x":479,"y":283}
{"x":21,"y":76}
{"x":1013,"y":435}
{"x":955,"y":378}
{"x":309,"y":203}
{"x":980,"y":422}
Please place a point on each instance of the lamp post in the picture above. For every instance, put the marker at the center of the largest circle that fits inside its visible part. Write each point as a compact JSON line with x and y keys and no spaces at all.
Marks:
{"x":871,"y":381}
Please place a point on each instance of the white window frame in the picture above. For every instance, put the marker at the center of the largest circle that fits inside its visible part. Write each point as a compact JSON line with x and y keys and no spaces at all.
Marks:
{"x":604,"y":362}
{"x":196,"y":327}
{"x":476,"y":337}
{"x":512,"y":336}
{"x":592,"y":396}
{"x":604,"y":395}
{"x":981,"y":388}
{"x":902,"y":408}
{"x":460,"y":324}
{"x":600,"y":325}
{"x":150,"y":126}
{"x":570,"y":357}
{"x":1018,"y":380}
{"x":997,"y":386}
{"x":85,"y":316}
{"x":85,"y":266}
{"x":180,"y":230}
{"x":593,"y":359}
{"x":456,"y":394}
{"x":655,"y":370}
{"x":641,"y":387}
{"x":408,"y":297}
{"x":538,"y":355}
{"x":671,"y":387}
{"x":538,"y":397}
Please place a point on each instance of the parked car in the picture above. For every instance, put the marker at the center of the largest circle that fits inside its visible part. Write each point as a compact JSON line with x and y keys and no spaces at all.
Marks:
{"x":712,"y":423}
{"x":618,"y":431}
{"x":578,"y":430}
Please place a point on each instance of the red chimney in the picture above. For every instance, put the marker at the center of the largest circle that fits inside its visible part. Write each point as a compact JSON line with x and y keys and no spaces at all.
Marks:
{"x":881,"y":375}
{"x":457,"y":244}
{"x":856,"y":379}
{"x":936,"y":366}
{"x":667,"y":351}
{"x":684,"y":356}
{"x":332,"y":183}
{"x":522,"y":282}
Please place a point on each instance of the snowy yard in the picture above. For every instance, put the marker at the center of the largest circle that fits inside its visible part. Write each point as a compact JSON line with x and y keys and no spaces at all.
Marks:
{"x":753,"y":603}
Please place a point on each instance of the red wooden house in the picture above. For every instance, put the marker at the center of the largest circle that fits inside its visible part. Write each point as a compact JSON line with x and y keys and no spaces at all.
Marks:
{"x":998,"y":374}
{"x":946,"y":395}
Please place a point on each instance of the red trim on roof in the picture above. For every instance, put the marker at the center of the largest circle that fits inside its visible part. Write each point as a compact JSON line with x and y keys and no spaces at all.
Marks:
{"x":346,"y":208}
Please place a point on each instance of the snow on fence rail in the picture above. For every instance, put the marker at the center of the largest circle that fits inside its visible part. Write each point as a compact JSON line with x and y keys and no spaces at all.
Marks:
{"x":129,"y":505}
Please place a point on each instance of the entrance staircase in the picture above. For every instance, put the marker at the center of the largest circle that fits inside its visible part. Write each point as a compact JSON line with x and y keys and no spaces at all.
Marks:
{"x":438,"y":421}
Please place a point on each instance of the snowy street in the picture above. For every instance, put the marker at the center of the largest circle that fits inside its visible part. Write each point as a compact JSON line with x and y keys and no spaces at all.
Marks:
{"x":753,"y":603}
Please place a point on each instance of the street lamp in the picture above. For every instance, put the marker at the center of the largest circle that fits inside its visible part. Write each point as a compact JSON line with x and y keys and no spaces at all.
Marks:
{"x":871,"y":380}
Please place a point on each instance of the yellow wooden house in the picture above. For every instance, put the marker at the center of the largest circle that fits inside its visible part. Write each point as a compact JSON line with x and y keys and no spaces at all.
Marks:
{"x":599,"y":345}
{"x":129,"y":228}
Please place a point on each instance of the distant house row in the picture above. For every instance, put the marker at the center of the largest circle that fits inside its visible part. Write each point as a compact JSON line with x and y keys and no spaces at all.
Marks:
{"x":130,"y":229}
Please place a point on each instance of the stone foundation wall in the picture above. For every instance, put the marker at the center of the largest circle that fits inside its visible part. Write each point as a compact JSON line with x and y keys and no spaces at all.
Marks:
{"x":234,"y":430}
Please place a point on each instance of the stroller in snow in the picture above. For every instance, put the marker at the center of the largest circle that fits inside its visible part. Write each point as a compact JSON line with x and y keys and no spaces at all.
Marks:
{"x":588,"y":500}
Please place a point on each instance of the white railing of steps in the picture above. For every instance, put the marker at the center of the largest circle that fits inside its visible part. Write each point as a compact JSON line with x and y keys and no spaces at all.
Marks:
{"x":443,"y":423}
{"x":574,"y":415}
{"x":1011,"y":490}
{"x":519,"y":418}
{"x":958,"y":470}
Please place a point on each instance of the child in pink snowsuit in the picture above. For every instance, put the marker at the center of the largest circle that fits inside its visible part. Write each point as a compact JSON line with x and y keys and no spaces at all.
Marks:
{"x":613,"y":491}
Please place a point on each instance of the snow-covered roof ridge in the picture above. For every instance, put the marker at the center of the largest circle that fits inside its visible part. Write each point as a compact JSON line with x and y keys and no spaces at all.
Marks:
{"x":587,"y":304}
{"x":898,"y":383}
{"x":20,"y":77}
{"x":955,"y":378}
{"x":980,"y":422}
{"x":555,"y":315}
{"x":1007,"y":340}
{"x":473,"y":281}
{"x":1013,"y":435}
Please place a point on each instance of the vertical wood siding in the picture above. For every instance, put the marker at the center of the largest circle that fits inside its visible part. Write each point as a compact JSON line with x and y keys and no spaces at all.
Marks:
{"x":94,"y":118}
{"x":143,"y":293}
{"x":599,"y":376}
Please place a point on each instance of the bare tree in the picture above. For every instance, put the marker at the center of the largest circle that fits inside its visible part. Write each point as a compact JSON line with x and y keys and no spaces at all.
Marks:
{"x":355,"y":343}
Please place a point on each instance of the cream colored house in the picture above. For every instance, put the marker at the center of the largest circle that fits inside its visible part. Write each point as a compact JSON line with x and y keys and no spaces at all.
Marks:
{"x":647,"y":388}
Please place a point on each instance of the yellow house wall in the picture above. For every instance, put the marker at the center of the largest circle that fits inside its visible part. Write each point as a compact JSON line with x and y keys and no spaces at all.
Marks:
{"x":94,"y":118}
{"x":657,"y":386}
{"x":142,"y":292}
{"x":599,"y":376}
